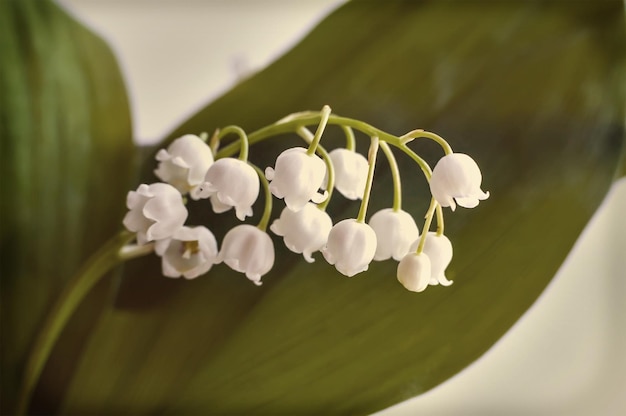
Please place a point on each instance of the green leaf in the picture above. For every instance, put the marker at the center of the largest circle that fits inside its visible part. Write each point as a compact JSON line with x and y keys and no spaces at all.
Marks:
{"x":66,"y":160}
{"x":529,"y":89}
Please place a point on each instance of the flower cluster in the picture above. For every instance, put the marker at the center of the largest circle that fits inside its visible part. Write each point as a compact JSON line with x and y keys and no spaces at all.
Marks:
{"x":304,"y":178}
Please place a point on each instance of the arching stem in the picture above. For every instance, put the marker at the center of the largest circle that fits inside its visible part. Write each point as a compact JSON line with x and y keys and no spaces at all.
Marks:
{"x":371,"y":159}
{"x":350,"y":141}
{"x":440,"y":225}
{"x":414,"y":134}
{"x":307,"y":136}
{"x":395,"y":176}
{"x":244,"y":143}
{"x":325,"y":113}
{"x":427,"y":221}
{"x":267,"y":209}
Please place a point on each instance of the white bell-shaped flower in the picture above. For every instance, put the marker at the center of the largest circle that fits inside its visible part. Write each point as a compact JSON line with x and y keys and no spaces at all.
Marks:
{"x":184,"y":163}
{"x":351,"y":246}
{"x":350,"y":172}
{"x":231,"y":182}
{"x":297,"y":178}
{"x":414,"y":271}
{"x":190,"y":252}
{"x":304,"y":231}
{"x":248,"y":250}
{"x":156,"y":212}
{"x":395,"y":232}
{"x":438,"y":248}
{"x":457,"y":177}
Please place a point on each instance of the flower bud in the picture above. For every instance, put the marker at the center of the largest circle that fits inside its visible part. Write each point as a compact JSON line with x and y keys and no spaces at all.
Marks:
{"x":414,"y":272}
{"x":231,"y":182}
{"x":304,"y":231}
{"x":190,"y":252}
{"x":156,"y":212}
{"x":248,"y":250}
{"x":456,"y":177}
{"x":351,"y":246}
{"x":184,"y":164}
{"x":297,"y":178}
{"x":395,"y":232}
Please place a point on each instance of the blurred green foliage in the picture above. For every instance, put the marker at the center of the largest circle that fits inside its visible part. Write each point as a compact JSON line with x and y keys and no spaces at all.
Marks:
{"x":66,"y":165}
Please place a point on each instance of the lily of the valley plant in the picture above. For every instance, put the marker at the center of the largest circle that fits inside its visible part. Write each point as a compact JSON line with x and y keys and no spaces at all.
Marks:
{"x":191,"y":170}
{"x":304,"y":178}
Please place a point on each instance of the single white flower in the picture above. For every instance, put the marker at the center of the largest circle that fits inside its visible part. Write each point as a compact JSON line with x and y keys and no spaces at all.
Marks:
{"x":414,"y":271}
{"x":231,"y":182}
{"x":395,"y":232}
{"x":351,"y":246}
{"x":248,"y":250}
{"x":350,"y":172}
{"x":457,"y":177}
{"x":184,"y":163}
{"x":438,"y":248}
{"x":156,"y":212}
{"x":304,"y":231}
{"x":297,"y":178}
{"x":190,"y":252}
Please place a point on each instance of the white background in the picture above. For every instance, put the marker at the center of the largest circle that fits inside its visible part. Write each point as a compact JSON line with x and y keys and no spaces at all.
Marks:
{"x":566,"y":356}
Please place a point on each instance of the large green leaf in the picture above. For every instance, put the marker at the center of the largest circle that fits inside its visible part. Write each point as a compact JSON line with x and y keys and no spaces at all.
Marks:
{"x":66,"y":159}
{"x":531,"y":90}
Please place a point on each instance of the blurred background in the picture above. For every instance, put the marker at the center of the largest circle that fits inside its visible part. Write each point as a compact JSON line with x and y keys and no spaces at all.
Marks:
{"x":567,"y":353}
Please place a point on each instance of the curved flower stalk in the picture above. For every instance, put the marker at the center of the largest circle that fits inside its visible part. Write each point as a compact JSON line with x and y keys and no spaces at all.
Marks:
{"x":231,"y":183}
{"x":247,"y":249}
{"x":457,"y":177}
{"x":350,"y":172}
{"x":297,"y":178}
{"x":351,"y":247}
{"x":414,"y":271}
{"x":395,"y":232}
{"x":156,"y":212}
{"x":190,"y":252}
{"x":184,"y":164}
{"x":305,"y":231}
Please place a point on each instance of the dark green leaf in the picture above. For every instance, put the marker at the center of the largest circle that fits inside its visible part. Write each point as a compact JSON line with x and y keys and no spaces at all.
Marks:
{"x":530,"y":89}
{"x":66,"y":159}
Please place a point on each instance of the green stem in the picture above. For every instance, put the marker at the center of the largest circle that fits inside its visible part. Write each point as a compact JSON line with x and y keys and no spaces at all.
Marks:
{"x":395,"y":176}
{"x":371,"y":159}
{"x":440,"y":226}
{"x":414,"y":134}
{"x":243,"y":143}
{"x":214,"y":142}
{"x":427,"y":173}
{"x":330,"y":169}
{"x":94,"y":269}
{"x":292,"y":122}
{"x":350,"y":141}
{"x":427,"y":221}
{"x":267,"y":210}
{"x":296,"y":121}
{"x":325,"y":113}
